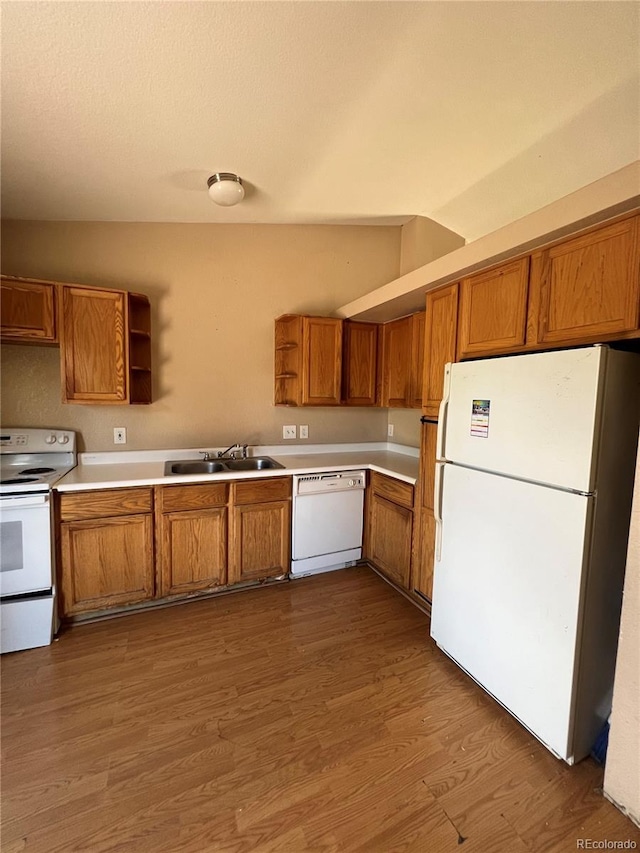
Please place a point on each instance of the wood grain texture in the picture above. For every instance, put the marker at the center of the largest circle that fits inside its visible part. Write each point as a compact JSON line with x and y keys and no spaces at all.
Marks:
{"x":194,"y":496}
{"x":397,"y":349}
{"x":193,"y":550}
{"x":259,"y":491}
{"x":440,"y":337}
{"x":105,"y":563}
{"x":493,"y":309}
{"x":27,"y":311}
{"x":313,"y":716}
{"x":104,"y":503}
{"x":260,"y":541}
{"x":424,"y":522}
{"x":417,"y":359}
{"x":589,"y":285}
{"x":93,"y":345}
{"x":390,"y":539}
{"x":392,"y":489}
{"x":321,"y":361}
{"x":288,"y":360}
{"x":359,"y":364}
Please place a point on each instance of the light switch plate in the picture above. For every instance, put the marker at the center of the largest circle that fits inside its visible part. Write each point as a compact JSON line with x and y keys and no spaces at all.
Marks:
{"x":390,"y":430}
{"x":289,"y":431}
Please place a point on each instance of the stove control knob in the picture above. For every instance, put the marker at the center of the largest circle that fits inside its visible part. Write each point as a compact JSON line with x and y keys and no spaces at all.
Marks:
{"x":63,"y":439}
{"x":50,"y":439}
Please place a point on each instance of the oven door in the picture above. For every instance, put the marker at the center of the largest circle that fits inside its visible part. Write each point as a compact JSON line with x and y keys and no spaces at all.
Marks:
{"x":25,"y":544}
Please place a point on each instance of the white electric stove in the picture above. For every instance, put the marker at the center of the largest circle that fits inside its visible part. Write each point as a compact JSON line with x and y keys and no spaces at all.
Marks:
{"x":31,"y":461}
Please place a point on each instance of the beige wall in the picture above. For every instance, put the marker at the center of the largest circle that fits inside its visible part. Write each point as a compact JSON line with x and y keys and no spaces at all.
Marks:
{"x":215,"y":291}
{"x":622,"y":774}
{"x":406,"y":426}
{"x":422,"y":240}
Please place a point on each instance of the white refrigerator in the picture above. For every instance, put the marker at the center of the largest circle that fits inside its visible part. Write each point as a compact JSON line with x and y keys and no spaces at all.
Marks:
{"x":534,"y":480}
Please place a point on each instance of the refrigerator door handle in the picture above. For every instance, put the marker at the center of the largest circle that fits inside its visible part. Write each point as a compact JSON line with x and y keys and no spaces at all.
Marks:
{"x":442,"y":412}
{"x":437,"y":508}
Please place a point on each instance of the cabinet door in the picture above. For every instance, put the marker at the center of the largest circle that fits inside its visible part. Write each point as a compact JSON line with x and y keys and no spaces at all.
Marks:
{"x":261,"y":537}
{"x":439,"y":344}
{"x":106,"y":562}
{"x":417,"y":359}
{"x":194,"y":550}
{"x":359,"y":365}
{"x":321,"y":361}
{"x":493,"y":309}
{"x":390,"y":533}
{"x":588,"y":287}
{"x":27,"y":310}
{"x":93,"y":345}
{"x":422,"y":563}
{"x":396,"y":363}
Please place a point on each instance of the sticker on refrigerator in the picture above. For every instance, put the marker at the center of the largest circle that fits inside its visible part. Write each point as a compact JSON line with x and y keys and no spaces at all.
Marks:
{"x":480,"y":418}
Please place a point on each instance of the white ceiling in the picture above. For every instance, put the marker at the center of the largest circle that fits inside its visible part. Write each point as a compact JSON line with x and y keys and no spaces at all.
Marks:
{"x":470,"y":113}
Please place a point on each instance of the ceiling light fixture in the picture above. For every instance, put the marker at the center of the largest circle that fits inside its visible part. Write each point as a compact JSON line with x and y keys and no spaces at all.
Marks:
{"x":225,"y":189}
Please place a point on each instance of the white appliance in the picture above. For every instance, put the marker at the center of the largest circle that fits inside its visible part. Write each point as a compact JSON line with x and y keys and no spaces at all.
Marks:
{"x":31,"y":461}
{"x":327,"y":521}
{"x":534,"y":480}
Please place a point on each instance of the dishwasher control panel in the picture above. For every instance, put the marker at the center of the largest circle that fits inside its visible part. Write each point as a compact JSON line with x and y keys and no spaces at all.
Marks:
{"x":331,"y":481}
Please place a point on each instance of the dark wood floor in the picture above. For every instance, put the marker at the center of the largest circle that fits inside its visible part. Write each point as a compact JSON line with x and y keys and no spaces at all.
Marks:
{"x":313,"y":716}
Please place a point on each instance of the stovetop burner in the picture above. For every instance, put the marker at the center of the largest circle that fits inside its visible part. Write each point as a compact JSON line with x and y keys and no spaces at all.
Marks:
{"x":37,"y":470}
{"x":14,"y":480}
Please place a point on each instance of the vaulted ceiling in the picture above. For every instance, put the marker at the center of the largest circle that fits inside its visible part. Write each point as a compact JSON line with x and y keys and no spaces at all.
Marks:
{"x":470,"y":113}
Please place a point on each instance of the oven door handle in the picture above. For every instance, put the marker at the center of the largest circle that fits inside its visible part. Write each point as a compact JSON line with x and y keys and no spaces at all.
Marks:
{"x":14,"y":502}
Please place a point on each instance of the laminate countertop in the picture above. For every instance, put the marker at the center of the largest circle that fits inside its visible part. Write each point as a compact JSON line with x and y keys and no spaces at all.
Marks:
{"x":140,"y":470}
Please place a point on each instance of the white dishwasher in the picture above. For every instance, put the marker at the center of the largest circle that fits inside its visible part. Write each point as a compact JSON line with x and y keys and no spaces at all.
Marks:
{"x":327,"y":521}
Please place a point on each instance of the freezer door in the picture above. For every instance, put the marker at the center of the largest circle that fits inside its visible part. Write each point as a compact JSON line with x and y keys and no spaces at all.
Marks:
{"x":507,"y":591}
{"x":530,"y":416}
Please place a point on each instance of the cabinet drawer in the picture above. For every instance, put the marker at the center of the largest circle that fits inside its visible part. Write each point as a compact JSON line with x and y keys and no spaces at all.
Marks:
{"x":174,"y":498}
{"x":75,"y":506}
{"x":394,"y":490}
{"x":261,"y":491}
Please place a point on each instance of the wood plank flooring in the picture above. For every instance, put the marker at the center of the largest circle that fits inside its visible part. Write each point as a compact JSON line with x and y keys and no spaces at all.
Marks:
{"x":313,"y":716}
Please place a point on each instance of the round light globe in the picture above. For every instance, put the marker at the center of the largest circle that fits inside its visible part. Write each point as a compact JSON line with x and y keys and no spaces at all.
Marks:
{"x":225,"y":189}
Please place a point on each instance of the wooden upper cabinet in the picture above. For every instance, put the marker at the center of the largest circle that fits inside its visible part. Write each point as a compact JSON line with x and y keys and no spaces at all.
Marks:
{"x":359,"y":363}
{"x":439,"y":344}
{"x":321,"y":361}
{"x":493,"y":309}
{"x":397,"y":349}
{"x":588,"y":287}
{"x":308,"y":361}
{"x":27,"y":311}
{"x":93,"y":345}
{"x":417,"y":360}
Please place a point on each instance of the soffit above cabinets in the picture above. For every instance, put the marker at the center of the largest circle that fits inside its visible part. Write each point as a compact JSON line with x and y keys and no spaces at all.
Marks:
{"x":601,"y":200}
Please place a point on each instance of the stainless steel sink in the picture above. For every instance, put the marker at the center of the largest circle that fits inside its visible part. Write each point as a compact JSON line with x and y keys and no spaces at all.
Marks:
{"x":252,"y":463}
{"x":196,"y":466}
{"x":216,"y":466}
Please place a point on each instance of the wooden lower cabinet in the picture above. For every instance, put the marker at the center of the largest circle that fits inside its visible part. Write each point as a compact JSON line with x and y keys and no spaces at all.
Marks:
{"x":260,"y":531}
{"x":390,"y":533}
{"x":106,"y":562}
{"x":425,"y":533}
{"x":106,"y":549}
{"x":192,"y":536}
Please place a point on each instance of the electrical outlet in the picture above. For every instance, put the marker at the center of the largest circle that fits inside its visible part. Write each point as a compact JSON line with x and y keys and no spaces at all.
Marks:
{"x":119,"y":435}
{"x":304,"y":430}
{"x":390,"y":430}
{"x":289,"y":431}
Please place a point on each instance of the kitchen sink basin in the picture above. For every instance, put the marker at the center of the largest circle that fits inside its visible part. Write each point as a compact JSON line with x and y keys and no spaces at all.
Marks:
{"x":253,"y":463}
{"x":216,"y":466}
{"x":196,"y":466}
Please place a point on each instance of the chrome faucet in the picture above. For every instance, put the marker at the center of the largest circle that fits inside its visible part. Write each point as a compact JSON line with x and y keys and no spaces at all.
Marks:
{"x":232,"y":452}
